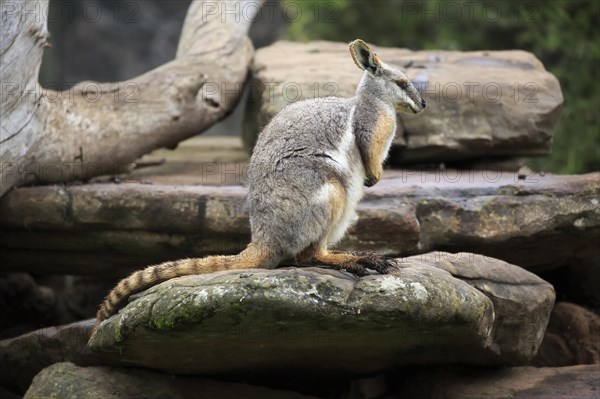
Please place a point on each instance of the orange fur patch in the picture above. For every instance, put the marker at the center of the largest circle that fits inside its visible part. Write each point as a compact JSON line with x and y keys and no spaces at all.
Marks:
{"x":337,"y":203}
{"x":384,"y":127}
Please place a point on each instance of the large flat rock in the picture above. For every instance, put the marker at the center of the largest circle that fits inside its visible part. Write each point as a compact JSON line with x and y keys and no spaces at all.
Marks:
{"x":538,"y":223}
{"x":438,"y":308}
{"x":480,"y":104}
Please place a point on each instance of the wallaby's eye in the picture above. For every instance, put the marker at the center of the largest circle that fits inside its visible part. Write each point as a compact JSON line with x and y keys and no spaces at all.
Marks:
{"x":403,"y":85}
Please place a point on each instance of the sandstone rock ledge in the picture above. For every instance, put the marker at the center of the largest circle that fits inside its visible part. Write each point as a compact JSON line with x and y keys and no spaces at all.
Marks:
{"x":63,"y":379}
{"x":539,"y":223}
{"x":437,"y":308}
{"x":574,"y":382}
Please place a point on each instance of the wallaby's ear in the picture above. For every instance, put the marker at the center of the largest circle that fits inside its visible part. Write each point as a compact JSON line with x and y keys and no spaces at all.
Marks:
{"x":363,"y":56}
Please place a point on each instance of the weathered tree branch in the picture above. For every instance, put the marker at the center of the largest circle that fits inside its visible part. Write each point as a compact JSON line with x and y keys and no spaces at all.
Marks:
{"x":101,"y":128}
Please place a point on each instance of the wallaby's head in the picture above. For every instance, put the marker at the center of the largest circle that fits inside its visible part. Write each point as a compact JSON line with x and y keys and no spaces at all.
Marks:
{"x":386,"y":80}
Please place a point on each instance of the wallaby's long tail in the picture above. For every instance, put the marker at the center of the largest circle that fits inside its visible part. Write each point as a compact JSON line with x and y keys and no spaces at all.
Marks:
{"x":251,"y":257}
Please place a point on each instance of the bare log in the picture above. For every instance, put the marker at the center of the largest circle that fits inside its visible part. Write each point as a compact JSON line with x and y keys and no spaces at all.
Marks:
{"x":101,"y":128}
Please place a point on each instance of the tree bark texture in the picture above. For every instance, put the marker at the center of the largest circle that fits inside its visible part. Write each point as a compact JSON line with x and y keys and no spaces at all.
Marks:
{"x":96,"y":129}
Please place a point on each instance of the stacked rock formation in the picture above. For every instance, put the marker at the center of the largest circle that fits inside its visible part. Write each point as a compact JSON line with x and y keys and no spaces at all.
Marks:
{"x":486,"y":247}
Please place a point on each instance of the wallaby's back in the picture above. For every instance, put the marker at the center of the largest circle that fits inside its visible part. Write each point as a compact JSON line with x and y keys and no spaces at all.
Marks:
{"x":308,"y":144}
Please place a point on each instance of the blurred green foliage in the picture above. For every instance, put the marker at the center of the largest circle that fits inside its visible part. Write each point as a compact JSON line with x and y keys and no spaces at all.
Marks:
{"x":564,"y":35}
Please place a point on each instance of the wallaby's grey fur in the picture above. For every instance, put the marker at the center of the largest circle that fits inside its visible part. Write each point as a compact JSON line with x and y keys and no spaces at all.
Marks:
{"x":306,"y":177}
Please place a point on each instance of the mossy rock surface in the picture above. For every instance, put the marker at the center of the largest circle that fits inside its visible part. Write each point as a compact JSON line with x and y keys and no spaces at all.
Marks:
{"x":315,"y":320}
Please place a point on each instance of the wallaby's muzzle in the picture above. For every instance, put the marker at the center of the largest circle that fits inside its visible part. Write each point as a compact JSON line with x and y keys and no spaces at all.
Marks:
{"x":418,"y":104}
{"x":421,"y":105}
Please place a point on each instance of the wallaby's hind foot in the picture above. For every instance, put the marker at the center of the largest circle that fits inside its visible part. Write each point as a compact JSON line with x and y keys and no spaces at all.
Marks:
{"x":371,"y":260}
{"x":355,"y":262}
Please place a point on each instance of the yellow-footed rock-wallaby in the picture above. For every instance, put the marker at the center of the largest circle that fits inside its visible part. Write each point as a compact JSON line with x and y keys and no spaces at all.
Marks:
{"x":306,"y":176}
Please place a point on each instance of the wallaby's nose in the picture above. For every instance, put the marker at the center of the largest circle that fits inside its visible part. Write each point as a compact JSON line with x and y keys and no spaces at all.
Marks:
{"x":423,"y":103}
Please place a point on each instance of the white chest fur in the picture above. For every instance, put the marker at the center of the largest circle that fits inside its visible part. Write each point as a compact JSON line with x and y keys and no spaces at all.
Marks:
{"x":346,"y":158}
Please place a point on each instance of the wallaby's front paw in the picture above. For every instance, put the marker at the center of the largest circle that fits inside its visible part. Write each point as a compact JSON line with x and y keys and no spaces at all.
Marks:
{"x":373,"y":176}
{"x":371,"y":181}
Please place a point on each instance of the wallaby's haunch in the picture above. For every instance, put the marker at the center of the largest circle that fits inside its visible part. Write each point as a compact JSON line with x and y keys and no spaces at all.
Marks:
{"x":306,"y":176}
